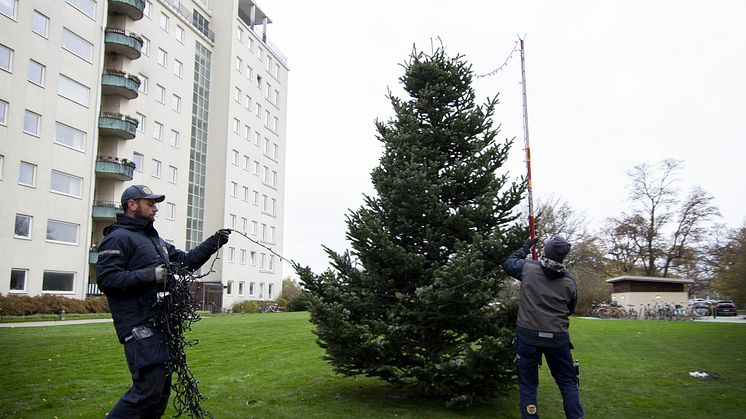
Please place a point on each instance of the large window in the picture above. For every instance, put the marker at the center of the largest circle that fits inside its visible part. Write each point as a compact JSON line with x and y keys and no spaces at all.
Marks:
{"x":66,"y":184}
{"x":164,"y":22}
{"x":18,"y":279}
{"x":27,"y":174}
{"x":137,"y":158}
{"x":23,"y":226}
{"x":162,"y":57}
{"x":6,"y":58}
{"x":170,"y":210}
{"x":36,"y":73}
{"x":58,"y":281}
{"x":73,"y":90}
{"x":155,"y":168}
{"x":31,"y":122}
{"x":3,"y":112}
{"x":157,"y":130}
{"x":77,"y":45}
{"x":174,"y":139}
{"x":8,"y":8}
{"x":62,"y":232}
{"x":143,"y":84}
{"x":40,"y":24}
{"x":229,"y":287}
{"x":160,"y":93}
{"x":86,"y":6}
{"x":69,"y":136}
{"x":172,"y":174}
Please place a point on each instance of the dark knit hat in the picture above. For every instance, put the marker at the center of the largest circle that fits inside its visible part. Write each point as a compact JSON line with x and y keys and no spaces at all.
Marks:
{"x":556,"y":249}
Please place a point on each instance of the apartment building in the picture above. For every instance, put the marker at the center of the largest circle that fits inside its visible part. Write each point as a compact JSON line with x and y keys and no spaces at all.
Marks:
{"x":185,"y":96}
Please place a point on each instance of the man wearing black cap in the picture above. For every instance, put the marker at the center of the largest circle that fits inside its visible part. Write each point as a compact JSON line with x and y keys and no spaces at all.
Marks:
{"x":131,"y":269}
{"x":548,"y":296}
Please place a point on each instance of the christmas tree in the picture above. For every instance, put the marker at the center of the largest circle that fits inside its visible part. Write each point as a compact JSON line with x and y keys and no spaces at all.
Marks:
{"x":413,"y":302}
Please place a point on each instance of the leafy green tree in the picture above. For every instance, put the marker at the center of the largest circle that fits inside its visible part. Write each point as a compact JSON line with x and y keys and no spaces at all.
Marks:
{"x":411,"y":302}
{"x":731,"y":267}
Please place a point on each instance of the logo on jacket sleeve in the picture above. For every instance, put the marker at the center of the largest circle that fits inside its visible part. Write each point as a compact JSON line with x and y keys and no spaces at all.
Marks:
{"x":531,"y":409}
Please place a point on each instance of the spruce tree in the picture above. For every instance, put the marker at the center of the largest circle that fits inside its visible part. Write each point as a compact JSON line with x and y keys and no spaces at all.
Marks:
{"x":411,"y":302}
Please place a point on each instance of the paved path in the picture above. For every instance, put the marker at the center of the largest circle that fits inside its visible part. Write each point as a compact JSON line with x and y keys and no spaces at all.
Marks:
{"x":709,"y":319}
{"x":53,"y":323}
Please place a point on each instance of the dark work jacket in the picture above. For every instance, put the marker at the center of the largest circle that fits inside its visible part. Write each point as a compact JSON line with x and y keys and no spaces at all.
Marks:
{"x":547,"y":298}
{"x":127,"y":256}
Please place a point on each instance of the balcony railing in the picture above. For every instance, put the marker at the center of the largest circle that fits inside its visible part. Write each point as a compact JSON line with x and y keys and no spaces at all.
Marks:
{"x":122,"y":42}
{"x":106,"y":210}
{"x":93,"y":290}
{"x":132,"y":8}
{"x":108,"y":167}
{"x":117,"y":125}
{"x":115,"y":82}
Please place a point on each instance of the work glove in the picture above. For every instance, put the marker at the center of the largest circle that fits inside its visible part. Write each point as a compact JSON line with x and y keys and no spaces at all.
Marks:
{"x":161,"y":275}
{"x":529,"y":243}
{"x":222,"y":236}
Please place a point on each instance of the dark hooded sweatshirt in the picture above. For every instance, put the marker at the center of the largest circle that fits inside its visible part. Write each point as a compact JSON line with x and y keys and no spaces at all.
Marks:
{"x":547,"y":298}
{"x":125,"y":272}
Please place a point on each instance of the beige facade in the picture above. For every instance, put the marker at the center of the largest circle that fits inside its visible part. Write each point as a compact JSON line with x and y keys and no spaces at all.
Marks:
{"x":139,"y":92}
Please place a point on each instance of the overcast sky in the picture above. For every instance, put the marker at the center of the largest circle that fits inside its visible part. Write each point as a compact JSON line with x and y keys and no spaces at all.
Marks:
{"x":610,"y":85}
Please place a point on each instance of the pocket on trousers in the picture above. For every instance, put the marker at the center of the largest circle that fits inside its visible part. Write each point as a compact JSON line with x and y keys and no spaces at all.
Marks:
{"x":150,"y":351}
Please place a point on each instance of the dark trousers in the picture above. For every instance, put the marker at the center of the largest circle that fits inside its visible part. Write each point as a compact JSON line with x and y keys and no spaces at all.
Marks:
{"x":151,"y":383}
{"x":560,"y":364}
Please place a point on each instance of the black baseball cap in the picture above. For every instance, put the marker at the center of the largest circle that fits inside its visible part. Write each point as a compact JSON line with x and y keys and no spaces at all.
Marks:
{"x":140,"y":192}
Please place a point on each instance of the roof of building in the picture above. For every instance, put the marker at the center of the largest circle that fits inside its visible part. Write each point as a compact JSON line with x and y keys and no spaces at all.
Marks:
{"x":650,"y":279}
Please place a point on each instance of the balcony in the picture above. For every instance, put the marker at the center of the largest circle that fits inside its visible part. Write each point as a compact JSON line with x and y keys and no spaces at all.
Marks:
{"x":108,"y":167}
{"x":105,"y":211}
{"x":114,"y":82}
{"x":132,"y":8}
{"x":117,"y":125}
{"x":93,"y":256}
{"x":119,"y":41}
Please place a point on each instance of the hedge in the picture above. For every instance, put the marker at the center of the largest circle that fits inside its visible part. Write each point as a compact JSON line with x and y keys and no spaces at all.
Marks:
{"x":23,"y":305}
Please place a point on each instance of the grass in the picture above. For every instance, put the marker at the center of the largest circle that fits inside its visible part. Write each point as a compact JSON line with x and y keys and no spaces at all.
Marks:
{"x":268,"y":366}
{"x":53,"y":317}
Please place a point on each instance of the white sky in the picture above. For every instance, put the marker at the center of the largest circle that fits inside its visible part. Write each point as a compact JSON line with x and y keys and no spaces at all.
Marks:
{"x":610,"y":85}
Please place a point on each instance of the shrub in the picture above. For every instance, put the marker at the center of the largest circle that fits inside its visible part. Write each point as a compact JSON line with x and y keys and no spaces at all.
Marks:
{"x":300,"y":302}
{"x":245,"y":307}
{"x":23,"y":305}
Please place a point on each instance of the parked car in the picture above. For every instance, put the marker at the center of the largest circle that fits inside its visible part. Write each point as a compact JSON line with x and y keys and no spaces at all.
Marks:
{"x":725,"y":309}
{"x":696,"y":300}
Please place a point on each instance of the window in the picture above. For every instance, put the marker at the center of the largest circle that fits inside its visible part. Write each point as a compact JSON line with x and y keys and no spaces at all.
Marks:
{"x":22,"y":227}
{"x":176,"y":103}
{"x":264,"y":232}
{"x":86,"y":6}
{"x":256,"y":167}
{"x":162,"y":57}
{"x":270,"y":287}
{"x":247,"y":102}
{"x":259,"y":81}
{"x":160,"y":93}
{"x":18,"y":280}
{"x":262,"y":257}
{"x":6,"y":57}
{"x":73,"y":90}
{"x":234,"y":189}
{"x":155,"y":168}
{"x":140,"y":121}
{"x":77,"y":45}
{"x":237,"y":94}
{"x":274,"y":178}
{"x":258,"y":109}
{"x":148,"y":8}
{"x":137,"y":158}
{"x":170,"y":210}
{"x":66,"y":184}
{"x":246,"y":163}
{"x":178,"y":68}
{"x":259,"y":53}
{"x":2,"y":166}
{"x":145,"y":49}
{"x":239,"y":64}
{"x":234,"y":157}
{"x":233,"y":221}
{"x":231,"y":254}
{"x":275,"y":150}
{"x":252,"y":259}
{"x":164,"y":22}
{"x":36,"y":73}
{"x":244,"y":224}
{"x":58,"y":281}
{"x":236,"y":125}
{"x":173,"y":141}
{"x":246,"y":131}
{"x":31,"y":122}
{"x":143,"y":88}
{"x":239,"y":35}
{"x":157,"y":130}
{"x":241,"y":284}
{"x":179,"y":34}
{"x":8,"y":8}
{"x":40,"y":24}
{"x":254,"y":228}
{"x":266,"y":146}
{"x":267,"y":119}
{"x":272,"y":231}
{"x":229,"y":287}
{"x":3,"y":112}
{"x":172,"y":173}
{"x":245,"y":198}
{"x":62,"y":232}
{"x":255,"y":201}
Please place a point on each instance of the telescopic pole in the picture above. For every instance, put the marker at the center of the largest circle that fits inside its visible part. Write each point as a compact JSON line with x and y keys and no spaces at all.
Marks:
{"x":528,"y":153}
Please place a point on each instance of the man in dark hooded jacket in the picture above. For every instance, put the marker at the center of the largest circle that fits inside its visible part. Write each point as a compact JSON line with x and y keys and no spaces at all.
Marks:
{"x":548,"y":296}
{"x":131,"y":269}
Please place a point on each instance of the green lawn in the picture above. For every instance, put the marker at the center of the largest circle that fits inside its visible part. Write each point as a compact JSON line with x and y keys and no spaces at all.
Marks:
{"x":268,"y":366}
